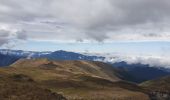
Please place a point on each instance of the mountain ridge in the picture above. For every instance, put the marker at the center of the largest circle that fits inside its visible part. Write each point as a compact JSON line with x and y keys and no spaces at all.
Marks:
{"x":78,"y":79}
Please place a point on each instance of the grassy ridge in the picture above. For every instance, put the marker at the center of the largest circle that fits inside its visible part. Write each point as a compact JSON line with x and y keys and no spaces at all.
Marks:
{"x":78,"y":80}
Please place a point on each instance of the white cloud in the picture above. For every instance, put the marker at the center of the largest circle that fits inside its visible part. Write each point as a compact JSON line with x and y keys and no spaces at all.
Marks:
{"x":152,"y":61}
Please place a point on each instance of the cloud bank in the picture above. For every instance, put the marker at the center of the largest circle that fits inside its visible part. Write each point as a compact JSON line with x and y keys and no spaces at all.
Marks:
{"x":152,"y":61}
{"x":86,"y":20}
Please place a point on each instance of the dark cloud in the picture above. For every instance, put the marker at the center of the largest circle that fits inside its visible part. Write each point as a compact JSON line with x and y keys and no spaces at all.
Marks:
{"x":21,"y":35}
{"x":4,"y":37}
{"x":8,"y":37}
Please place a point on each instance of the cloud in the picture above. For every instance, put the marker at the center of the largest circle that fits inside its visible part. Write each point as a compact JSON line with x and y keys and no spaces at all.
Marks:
{"x":90,"y":20}
{"x":8,"y":36}
{"x":152,"y":61}
{"x":21,"y":35}
{"x":4,"y":37}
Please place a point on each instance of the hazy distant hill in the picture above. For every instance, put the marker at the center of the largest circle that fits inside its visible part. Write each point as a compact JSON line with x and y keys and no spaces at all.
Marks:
{"x":6,"y":60}
{"x":21,"y":53}
{"x":64,"y":55}
{"x":57,"y":55}
{"x":141,"y":72}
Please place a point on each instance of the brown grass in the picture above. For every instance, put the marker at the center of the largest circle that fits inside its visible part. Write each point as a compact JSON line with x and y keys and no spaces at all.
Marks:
{"x":76,"y":80}
{"x":22,"y":87}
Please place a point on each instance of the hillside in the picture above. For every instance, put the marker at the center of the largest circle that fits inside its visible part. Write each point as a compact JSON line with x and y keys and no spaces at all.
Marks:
{"x":22,"y":87}
{"x":78,"y":79}
{"x":158,"y":84}
{"x":159,"y":88}
{"x":98,"y":69}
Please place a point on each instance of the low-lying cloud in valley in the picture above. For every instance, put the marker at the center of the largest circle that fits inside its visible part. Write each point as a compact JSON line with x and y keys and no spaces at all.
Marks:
{"x":152,"y":61}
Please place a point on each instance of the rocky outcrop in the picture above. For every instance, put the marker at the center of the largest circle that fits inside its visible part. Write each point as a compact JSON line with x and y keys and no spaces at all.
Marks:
{"x":159,"y":95}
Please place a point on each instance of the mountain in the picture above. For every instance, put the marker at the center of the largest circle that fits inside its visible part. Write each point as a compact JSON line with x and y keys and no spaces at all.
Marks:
{"x":6,"y":60}
{"x":141,"y":72}
{"x":57,"y":55}
{"x":7,"y":57}
{"x":159,"y":88}
{"x":64,"y":55}
{"x":21,"y":53}
{"x":74,"y":79}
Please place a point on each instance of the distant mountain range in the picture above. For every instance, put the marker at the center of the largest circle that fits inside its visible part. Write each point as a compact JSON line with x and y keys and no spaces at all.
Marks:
{"x":22,"y":53}
{"x":64,"y":55}
{"x":6,"y":60}
{"x":132,"y":72}
{"x":57,"y":55}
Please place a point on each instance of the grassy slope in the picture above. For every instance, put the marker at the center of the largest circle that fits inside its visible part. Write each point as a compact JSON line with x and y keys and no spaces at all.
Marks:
{"x":22,"y":87}
{"x":78,"y":79}
{"x":161,"y":84}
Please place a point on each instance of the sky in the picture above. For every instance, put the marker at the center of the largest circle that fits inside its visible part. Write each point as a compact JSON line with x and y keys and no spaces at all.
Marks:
{"x":116,"y":26}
